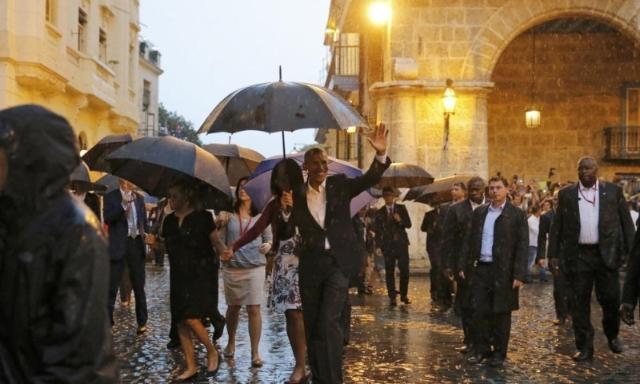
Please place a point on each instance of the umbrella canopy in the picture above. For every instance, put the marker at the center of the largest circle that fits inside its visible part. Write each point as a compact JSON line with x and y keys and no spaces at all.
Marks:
{"x":237,"y":161}
{"x":259,"y":187}
{"x":402,"y":175}
{"x":153,"y":163}
{"x":96,"y":157}
{"x":438,"y":192}
{"x":81,"y":179}
{"x":281,"y":106}
{"x":110,"y":183}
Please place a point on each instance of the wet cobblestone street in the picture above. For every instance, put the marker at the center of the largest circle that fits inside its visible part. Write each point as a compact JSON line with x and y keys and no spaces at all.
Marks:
{"x":405,"y":344}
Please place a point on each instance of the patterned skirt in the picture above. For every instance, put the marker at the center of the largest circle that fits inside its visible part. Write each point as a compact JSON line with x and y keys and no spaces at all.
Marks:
{"x":284,"y":291}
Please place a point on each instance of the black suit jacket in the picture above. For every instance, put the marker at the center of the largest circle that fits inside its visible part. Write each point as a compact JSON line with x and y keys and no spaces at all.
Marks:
{"x":389,"y":232}
{"x":338,"y":227}
{"x":543,"y":230}
{"x":116,"y":219}
{"x":456,"y":225}
{"x":510,"y":245}
{"x":631,"y":289}
{"x":615,"y":227}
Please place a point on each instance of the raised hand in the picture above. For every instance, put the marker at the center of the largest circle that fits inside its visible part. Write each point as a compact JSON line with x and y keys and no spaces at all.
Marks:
{"x":378,"y":139}
{"x":286,"y":200}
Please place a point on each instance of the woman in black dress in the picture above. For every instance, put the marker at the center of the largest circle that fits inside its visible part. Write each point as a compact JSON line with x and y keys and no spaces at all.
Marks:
{"x":190,"y":237}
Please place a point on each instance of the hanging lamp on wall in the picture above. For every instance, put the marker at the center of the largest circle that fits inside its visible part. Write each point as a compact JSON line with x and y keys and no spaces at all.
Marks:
{"x":532,"y":114}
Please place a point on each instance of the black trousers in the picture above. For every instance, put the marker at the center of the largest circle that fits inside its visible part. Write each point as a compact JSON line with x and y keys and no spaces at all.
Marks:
{"x":590,"y":271}
{"x":134,"y":259}
{"x":561,"y":294}
{"x":489,"y":327}
{"x":324,"y":290}
{"x":396,"y":254}
{"x":464,"y":308}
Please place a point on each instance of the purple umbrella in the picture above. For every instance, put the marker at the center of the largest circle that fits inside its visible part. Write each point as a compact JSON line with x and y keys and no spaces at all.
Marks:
{"x":259,"y":188}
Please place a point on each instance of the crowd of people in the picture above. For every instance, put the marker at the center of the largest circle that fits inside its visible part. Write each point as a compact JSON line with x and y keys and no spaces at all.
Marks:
{"x":56,"y":302}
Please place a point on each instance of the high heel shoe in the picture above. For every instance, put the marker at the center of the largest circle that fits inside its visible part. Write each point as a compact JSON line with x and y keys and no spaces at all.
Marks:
{"x":257,"y":363}
{"x":218,"y":323}
{"x":215,"y":371}
{"x":186,"y":379}
{"x":303,"y":380}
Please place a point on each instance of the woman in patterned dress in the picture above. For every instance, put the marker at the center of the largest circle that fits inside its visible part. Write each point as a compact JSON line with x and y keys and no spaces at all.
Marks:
{"x":284,"y":295}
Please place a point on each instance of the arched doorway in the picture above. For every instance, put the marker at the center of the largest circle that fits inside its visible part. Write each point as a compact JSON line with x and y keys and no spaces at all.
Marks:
{"x":587,"y":85}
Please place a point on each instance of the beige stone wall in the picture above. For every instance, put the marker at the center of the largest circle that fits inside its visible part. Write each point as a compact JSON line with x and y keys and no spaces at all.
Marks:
{"x":578,"y":82}
{"x":40,"y":62}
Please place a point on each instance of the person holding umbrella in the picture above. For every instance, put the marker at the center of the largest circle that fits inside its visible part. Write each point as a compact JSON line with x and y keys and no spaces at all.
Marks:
{"x":244,"y":273}
{"x":193,"y":245}
{"x":284,"y":295}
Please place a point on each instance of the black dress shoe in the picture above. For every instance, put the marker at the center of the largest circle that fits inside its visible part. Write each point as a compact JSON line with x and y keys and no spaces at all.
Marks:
{"x":463,"y":349}
{"x":218,"y":327}
{"x":626,"y":314}
{"x":615,"y":346}
{"x":405,"y":300}
{"x":585,"y":355}
{"x":476,"y":359}
{"x":496,"y":361}
{"x":392,"y":301}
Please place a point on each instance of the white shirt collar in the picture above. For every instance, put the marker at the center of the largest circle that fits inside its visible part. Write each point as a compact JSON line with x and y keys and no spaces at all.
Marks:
{"x":499,"y":208}
{"x":593,"y":188}
{"x":321,"y":187}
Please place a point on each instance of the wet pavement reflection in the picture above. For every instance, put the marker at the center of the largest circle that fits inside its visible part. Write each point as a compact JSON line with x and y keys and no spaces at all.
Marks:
{"x":404,"y":344}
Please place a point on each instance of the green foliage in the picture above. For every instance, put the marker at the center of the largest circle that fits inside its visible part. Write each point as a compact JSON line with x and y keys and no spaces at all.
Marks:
{"x":177,"y":126}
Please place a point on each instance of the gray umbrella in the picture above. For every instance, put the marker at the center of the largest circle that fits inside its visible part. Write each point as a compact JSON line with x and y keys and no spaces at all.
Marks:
{"x":81,"y":180}
{"x":96,"y":157}
{"x":281,"y":106}
{"x":153,"y":163}
{"x":438,"y":192}
{"x":402,"y":175}
{"x":237,"y":161}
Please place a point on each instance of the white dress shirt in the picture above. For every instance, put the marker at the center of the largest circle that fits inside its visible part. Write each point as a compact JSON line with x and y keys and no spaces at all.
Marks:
{"x":317,"y":202}
{"x":589,"y":205}
{"x":534,"y":228}
{"x":128,"y":199}
{"x":486,"y":249}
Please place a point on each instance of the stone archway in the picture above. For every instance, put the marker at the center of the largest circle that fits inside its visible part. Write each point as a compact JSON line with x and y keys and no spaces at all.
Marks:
{"x":583,"y":63}
{"x":517,"y":16}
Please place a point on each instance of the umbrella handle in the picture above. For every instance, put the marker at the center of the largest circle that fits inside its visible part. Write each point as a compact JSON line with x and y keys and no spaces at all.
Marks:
{"x":284,"y":153}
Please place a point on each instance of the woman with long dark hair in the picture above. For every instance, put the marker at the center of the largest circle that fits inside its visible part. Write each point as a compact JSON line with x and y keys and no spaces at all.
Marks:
{"x":284,"y":295}
{"x":193,"y":246}
{"x":244,"y":272}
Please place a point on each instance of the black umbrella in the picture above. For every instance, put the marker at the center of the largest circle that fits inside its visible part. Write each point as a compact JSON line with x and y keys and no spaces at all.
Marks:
{"x":438,"y":192}
{"x":81,"y":180}
{"x":110,"y":182}
{"x":402,"y":175}
{"x":153,"y":163}
{"x":96,"y":157}
{"x":238,"y":161}
{"x":281,"y":106}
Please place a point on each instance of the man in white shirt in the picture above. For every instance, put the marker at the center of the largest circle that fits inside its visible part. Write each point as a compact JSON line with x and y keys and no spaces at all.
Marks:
{"x":534,"y":225}
{"x":591,"y":235}
{"x":329,"y":252}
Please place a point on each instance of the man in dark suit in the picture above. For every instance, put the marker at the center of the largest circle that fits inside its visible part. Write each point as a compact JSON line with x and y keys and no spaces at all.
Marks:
{"x":455,"y":227}
{"x":590,"y":236}
{"x":496,"y":249}
{"x":631,"y":288}
{"x":125,"y":217}
{"x":561,"y":295}
{"x":329,"y":252}
{"x":391,"y":223}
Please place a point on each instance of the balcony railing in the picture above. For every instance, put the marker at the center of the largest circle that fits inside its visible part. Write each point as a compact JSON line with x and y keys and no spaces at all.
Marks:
{"x":345,"y":67}
{"x":622,"y":143}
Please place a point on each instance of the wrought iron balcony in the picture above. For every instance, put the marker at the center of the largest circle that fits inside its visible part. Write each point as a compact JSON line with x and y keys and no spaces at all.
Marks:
{"x":622,"y":143}
{"x":345,"y":67}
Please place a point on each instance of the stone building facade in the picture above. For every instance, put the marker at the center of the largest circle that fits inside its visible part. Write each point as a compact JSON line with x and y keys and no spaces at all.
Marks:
{"x":79,"y":58}
{"x":585,"y":81}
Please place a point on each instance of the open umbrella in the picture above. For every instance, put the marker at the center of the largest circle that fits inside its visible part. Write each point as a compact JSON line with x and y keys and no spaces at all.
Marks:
{"x":259,"y":187}
{"x":438,"y":192}
{"x":110,"y":182}
{"x":153,"y":163}
{"x":96,"y":157}
{"x":237,"y":161}
{"x":281,"y":106}
{"x":81,"y":180}
{"x":402,"y":175}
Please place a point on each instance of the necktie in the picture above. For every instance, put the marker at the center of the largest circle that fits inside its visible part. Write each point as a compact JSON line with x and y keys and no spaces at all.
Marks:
{"x":131,"y":217}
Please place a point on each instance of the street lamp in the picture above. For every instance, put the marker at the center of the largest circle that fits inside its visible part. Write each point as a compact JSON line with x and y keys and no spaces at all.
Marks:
{"x":449,"y":104}
{"x":379,"y":12}
{"x":532,"y":117}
